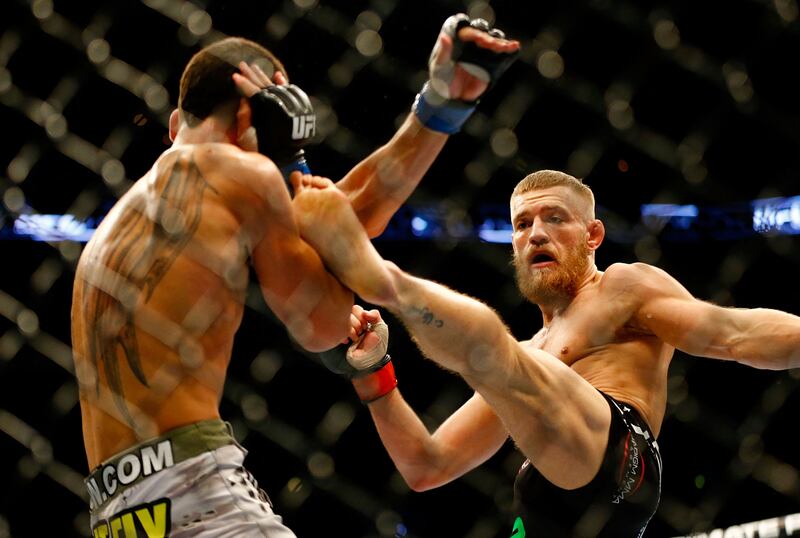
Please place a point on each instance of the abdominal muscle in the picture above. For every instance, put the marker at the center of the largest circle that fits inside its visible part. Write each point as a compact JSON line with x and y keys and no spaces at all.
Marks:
{"x":635,"y":379}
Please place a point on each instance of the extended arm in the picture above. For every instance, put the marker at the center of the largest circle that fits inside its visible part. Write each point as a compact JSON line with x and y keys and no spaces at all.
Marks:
{"x":468,"y":56}
{"x":758,"y":337}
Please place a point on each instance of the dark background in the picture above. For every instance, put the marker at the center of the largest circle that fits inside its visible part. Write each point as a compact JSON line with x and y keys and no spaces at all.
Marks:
{"x":672,"y":102}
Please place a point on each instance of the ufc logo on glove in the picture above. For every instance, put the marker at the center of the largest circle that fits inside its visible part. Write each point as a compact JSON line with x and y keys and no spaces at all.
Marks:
{"x":303,"y":126}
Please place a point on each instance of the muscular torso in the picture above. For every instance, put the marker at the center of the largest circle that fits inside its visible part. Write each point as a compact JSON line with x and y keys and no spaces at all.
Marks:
{"x":597,"y":337}
{"x":158,"y":296}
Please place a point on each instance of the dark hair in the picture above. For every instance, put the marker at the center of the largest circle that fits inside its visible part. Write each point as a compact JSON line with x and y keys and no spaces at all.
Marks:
{"x":207,"y":84}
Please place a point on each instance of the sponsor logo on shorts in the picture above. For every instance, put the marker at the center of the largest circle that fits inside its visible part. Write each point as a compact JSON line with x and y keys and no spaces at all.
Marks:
{"x":106,"y":480}
{"x":149,"y":520}
{"x":524,"y":466}
{"x":631,"y":479}
{"x":519,"y":529}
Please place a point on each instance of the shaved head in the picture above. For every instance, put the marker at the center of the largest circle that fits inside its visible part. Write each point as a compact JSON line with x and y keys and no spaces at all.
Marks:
{"x":544,"y":179}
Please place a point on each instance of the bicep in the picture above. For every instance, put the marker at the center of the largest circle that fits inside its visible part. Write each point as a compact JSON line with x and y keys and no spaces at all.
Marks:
{"x":760,"y":337}
{"x":691,"y":325}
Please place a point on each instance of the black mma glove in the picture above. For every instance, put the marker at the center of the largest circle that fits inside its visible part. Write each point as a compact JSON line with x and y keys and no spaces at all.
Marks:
{"x":374,"y":375}
{"x":285,"y":122}
{"x":433,"y":105}
{"x":482,"y":63}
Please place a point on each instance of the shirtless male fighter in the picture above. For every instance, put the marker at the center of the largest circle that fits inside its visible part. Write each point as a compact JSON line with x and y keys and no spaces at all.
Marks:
{"x":159,"y":290}
{"x":583,"y":399}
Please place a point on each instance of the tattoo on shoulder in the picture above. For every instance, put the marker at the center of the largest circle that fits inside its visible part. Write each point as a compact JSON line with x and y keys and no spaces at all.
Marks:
{"x":134,"y":260}
{"x":427,"y":316}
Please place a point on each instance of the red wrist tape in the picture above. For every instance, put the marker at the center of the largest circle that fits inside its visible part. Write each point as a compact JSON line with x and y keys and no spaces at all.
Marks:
{"x":376,"y":384}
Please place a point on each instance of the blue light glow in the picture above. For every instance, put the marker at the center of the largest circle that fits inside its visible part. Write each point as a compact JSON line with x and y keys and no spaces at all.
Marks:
{"x":669,"y":210}
{"x":53,"y":228}
{"x":419,"y":225}
{"x":777,"y":215}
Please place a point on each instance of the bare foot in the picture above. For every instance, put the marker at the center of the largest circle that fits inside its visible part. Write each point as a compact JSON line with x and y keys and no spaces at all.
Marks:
{"x":327,"y":222}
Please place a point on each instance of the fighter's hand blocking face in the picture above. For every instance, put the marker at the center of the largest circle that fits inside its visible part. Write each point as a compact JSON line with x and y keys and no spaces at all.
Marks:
{"x":468,"y":57}
{"x":282,"y":116}
{"x":364,"y":361}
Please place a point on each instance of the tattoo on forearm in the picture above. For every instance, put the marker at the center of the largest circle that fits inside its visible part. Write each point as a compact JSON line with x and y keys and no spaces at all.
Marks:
{"x":144,"y":246}
{"x":426,"y":316}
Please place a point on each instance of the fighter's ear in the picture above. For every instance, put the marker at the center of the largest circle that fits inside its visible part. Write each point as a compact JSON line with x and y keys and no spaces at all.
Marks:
{"x":595,"y":233}
{"x":174,"y":124}
{"x":244,"y":116}
{"x":241,"y":131}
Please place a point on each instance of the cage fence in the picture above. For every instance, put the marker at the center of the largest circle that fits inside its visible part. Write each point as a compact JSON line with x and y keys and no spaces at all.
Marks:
{"x":683,"y":118}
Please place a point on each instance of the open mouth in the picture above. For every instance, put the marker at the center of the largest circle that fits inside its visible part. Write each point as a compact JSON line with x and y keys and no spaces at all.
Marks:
{"x":542,"y":259}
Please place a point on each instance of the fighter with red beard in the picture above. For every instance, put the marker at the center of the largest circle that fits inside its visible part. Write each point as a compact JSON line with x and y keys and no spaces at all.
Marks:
{"x":584,"y":399}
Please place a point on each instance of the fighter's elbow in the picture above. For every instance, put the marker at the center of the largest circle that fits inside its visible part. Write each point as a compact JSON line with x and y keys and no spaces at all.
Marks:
{"x":375,"y":229}
{"x":426,"y":473}
{"x":318,"y":336}
{"x":419,"y":485}
{"x":421,"y":482}
{"x":318,"y":345}
{"x":373,"y":220}
{"x":323,"y":338}
{"x":768,"y":362}
{"x":743,"y":352}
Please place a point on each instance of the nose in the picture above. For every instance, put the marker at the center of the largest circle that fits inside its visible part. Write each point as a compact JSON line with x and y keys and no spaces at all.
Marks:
{"x":537,"y":235}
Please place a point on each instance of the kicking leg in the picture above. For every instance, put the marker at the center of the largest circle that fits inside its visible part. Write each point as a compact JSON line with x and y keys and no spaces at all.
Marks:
{"x":556,"y":417}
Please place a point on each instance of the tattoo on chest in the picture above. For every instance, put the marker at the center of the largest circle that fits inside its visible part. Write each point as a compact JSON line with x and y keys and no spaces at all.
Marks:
{"x":426,"y":316}
{"x":134,"y":260}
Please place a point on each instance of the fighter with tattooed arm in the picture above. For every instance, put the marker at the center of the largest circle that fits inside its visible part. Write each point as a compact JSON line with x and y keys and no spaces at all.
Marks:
{"x":160,"y":289}
{"x":583,"y":399}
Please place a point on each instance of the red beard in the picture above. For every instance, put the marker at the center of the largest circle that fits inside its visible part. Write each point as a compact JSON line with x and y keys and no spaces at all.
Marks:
{"x":557,"y":282}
